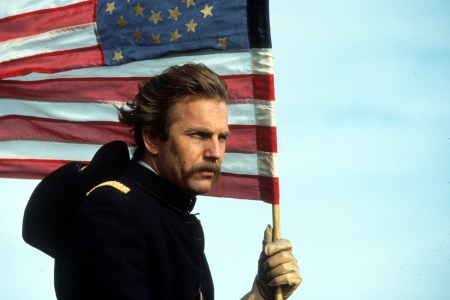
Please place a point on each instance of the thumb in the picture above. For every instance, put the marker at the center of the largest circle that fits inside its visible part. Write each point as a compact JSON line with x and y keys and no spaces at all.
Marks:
{"x":267,"y":236}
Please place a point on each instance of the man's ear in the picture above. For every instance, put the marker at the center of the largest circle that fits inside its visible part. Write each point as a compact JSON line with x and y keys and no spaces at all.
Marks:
{"x":151,"y":142}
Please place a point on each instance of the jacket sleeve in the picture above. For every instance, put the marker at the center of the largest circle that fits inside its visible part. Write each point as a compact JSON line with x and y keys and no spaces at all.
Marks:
{"x":105,"y":255}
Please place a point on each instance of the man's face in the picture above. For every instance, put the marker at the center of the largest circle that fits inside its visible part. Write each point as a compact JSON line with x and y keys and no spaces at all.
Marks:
{"x":192,"y":155}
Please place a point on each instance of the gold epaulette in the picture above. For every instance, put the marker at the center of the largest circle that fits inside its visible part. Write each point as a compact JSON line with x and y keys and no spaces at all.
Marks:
{"x":115,"y":184}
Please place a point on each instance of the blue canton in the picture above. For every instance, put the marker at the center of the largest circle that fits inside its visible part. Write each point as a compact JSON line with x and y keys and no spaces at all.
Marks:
{"x":131,"y":30}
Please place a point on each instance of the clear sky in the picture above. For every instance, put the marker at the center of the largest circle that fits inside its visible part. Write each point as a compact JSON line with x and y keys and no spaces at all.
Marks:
{"x":363,"y":115}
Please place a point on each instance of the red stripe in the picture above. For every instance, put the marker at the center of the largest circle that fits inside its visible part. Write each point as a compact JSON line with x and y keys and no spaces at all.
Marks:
{"x":252,"y":86}
{"x":251,"y":138}
{"x":117,"y":89}
{"x":243,"y":139}
{"x":243,"y":186}
{"x":44,"y":20}
{"x":53,"y":62}
{"x":31,"y":128}
{"x":28,"y":168}
{"x":247,"y":187}
{"x":73,"y":89}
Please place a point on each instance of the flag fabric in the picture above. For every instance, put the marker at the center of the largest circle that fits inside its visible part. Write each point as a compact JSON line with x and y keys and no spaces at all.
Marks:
{"x":66,"y":64}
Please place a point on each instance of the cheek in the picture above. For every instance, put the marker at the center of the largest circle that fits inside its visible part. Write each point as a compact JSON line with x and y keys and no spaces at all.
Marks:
{"x":185,"y":155}
{"x":187,"y":163}
{"x":181,"y":159}
{"x":189,"y":155}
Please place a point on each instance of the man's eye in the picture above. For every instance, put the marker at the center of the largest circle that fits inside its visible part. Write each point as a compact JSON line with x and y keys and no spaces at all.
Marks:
{"x":199,"y":135}
{"x":223,"y":138}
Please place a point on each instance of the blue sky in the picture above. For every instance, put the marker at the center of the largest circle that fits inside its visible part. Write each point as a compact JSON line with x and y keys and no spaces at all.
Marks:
{"x":363,"y":115}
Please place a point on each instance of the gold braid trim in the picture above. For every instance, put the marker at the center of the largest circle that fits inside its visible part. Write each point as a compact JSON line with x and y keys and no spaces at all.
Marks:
{"x":115,"y":184}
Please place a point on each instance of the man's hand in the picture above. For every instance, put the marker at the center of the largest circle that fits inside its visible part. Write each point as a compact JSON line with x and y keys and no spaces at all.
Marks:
{"x":277,"y":266}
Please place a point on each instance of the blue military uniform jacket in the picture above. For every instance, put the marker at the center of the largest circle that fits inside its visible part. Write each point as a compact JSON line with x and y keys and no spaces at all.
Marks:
{"x":134,"y":238}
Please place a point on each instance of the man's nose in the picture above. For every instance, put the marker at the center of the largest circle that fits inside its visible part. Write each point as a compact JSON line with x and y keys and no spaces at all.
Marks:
{"x":214,"y":149}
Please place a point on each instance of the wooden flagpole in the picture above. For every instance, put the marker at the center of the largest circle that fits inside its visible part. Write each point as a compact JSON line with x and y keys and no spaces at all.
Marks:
{"x":276,"y":235}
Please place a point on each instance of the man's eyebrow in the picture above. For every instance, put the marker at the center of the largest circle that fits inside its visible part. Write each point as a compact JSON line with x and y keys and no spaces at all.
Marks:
{"x":199,"y":129}
{"x":204,"y":130}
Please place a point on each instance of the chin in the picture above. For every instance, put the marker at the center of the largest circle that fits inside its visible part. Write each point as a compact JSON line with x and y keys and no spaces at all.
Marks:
{"x":200,"y":189}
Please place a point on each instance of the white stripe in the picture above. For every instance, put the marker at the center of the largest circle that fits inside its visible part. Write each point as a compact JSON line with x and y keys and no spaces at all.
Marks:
{"x":47,"y":150}
{"x":257,"y":113}
{"x":268,"y":164}
{"x":76,"y":112}
{"x":262,"y":60}
{"x":237,"y":163}
{"x":223,"y":63}
{"x":262,"y":163}
{"x":14,"y":7}
{"x":79,"y":36}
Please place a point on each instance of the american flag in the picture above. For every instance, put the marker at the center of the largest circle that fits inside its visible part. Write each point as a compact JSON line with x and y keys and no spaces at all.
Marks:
{"x":66,"y":64}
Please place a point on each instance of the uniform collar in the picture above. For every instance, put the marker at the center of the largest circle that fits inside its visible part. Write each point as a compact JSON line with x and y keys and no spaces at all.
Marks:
{"x":162,"y":189}
{"x":142,"y":163}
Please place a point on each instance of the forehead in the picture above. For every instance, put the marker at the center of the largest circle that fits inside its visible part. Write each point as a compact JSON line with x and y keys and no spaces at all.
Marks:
{"x":199,"y":110}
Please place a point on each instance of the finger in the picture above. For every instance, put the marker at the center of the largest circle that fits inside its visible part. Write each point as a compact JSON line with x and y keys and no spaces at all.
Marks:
{"x":267,"y":236}
{"x":291,"y":279}
{"x":277,"y":246}
{"x":284,"y":257}
{"x":282,"y":269}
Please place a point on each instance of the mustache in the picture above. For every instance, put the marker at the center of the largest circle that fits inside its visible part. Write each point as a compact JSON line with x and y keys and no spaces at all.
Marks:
{"x":207,"y":166}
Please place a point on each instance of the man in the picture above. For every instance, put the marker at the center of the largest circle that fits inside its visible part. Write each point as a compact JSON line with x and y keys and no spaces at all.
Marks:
{"x":135,"y":237}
